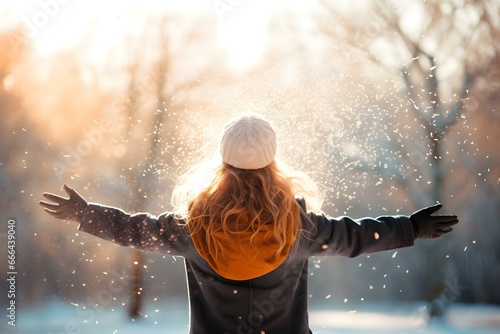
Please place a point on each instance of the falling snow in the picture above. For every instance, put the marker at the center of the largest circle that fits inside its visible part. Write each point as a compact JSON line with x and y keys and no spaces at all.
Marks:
{"x":366,"y":137}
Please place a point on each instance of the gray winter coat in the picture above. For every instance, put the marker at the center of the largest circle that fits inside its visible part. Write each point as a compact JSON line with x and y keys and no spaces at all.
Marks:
{"x":273,"y":303}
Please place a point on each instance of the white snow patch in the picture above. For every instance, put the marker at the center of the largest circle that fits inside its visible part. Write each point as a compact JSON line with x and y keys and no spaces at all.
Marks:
{"x":171,"y":316}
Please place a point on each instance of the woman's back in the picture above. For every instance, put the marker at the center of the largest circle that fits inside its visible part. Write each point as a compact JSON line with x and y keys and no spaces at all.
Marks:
{"x":246,"y":239}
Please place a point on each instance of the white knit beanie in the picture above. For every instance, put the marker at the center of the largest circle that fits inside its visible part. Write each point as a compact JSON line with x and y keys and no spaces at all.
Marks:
{"x":248,"y":142}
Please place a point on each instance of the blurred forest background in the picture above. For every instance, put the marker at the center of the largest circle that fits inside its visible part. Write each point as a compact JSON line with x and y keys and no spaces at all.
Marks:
{"x":388,"y":105}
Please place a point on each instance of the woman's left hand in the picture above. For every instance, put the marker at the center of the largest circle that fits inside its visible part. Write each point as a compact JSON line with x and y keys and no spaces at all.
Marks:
{"x":71,"y":208}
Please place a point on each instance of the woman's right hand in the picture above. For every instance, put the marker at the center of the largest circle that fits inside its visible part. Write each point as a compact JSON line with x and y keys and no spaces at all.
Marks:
{"x":426,"y":226}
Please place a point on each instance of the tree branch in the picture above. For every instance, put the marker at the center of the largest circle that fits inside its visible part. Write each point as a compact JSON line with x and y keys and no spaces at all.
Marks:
{"x":458,"y":107}
{"x":424,"y":121}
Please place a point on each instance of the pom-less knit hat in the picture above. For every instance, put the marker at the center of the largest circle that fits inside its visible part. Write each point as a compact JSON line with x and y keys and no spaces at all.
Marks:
{"x":248,"y":142}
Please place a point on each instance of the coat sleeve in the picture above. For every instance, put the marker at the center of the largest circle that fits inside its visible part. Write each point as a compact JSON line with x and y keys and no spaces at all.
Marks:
{"x":142,"y":231}
{"x":327,"y":236}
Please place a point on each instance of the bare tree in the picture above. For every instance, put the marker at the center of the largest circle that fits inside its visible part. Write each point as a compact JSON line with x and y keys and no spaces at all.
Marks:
{"x":437,"y":50}
{"x":151,"y":130}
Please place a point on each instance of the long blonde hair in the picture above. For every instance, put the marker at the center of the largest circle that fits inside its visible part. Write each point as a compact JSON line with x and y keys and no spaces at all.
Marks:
{"x":239,"y":201}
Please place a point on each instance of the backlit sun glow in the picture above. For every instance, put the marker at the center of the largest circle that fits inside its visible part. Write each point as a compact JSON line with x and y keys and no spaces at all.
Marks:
{"x":63,"y":25}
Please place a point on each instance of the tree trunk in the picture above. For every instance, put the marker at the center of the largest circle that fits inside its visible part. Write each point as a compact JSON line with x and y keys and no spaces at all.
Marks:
{"x":136,"y":300}
{"x":436,"y":258}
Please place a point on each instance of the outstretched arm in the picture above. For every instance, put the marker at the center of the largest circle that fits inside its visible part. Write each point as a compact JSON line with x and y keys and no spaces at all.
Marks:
{"x":142,"y":231}
{"x":349,"y":237}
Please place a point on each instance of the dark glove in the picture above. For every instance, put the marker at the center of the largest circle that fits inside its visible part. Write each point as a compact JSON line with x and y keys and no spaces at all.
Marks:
{"x":72,"y":208}
{"x":426,"y":226}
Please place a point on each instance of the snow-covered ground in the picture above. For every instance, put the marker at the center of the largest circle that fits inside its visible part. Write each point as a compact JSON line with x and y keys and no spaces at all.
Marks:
{"x":385,"y":318}
{"x":56,"y":317}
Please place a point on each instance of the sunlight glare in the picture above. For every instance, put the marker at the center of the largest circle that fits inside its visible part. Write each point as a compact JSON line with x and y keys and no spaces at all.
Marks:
{"x":63,"y":25}
{"x":243,"y":33}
